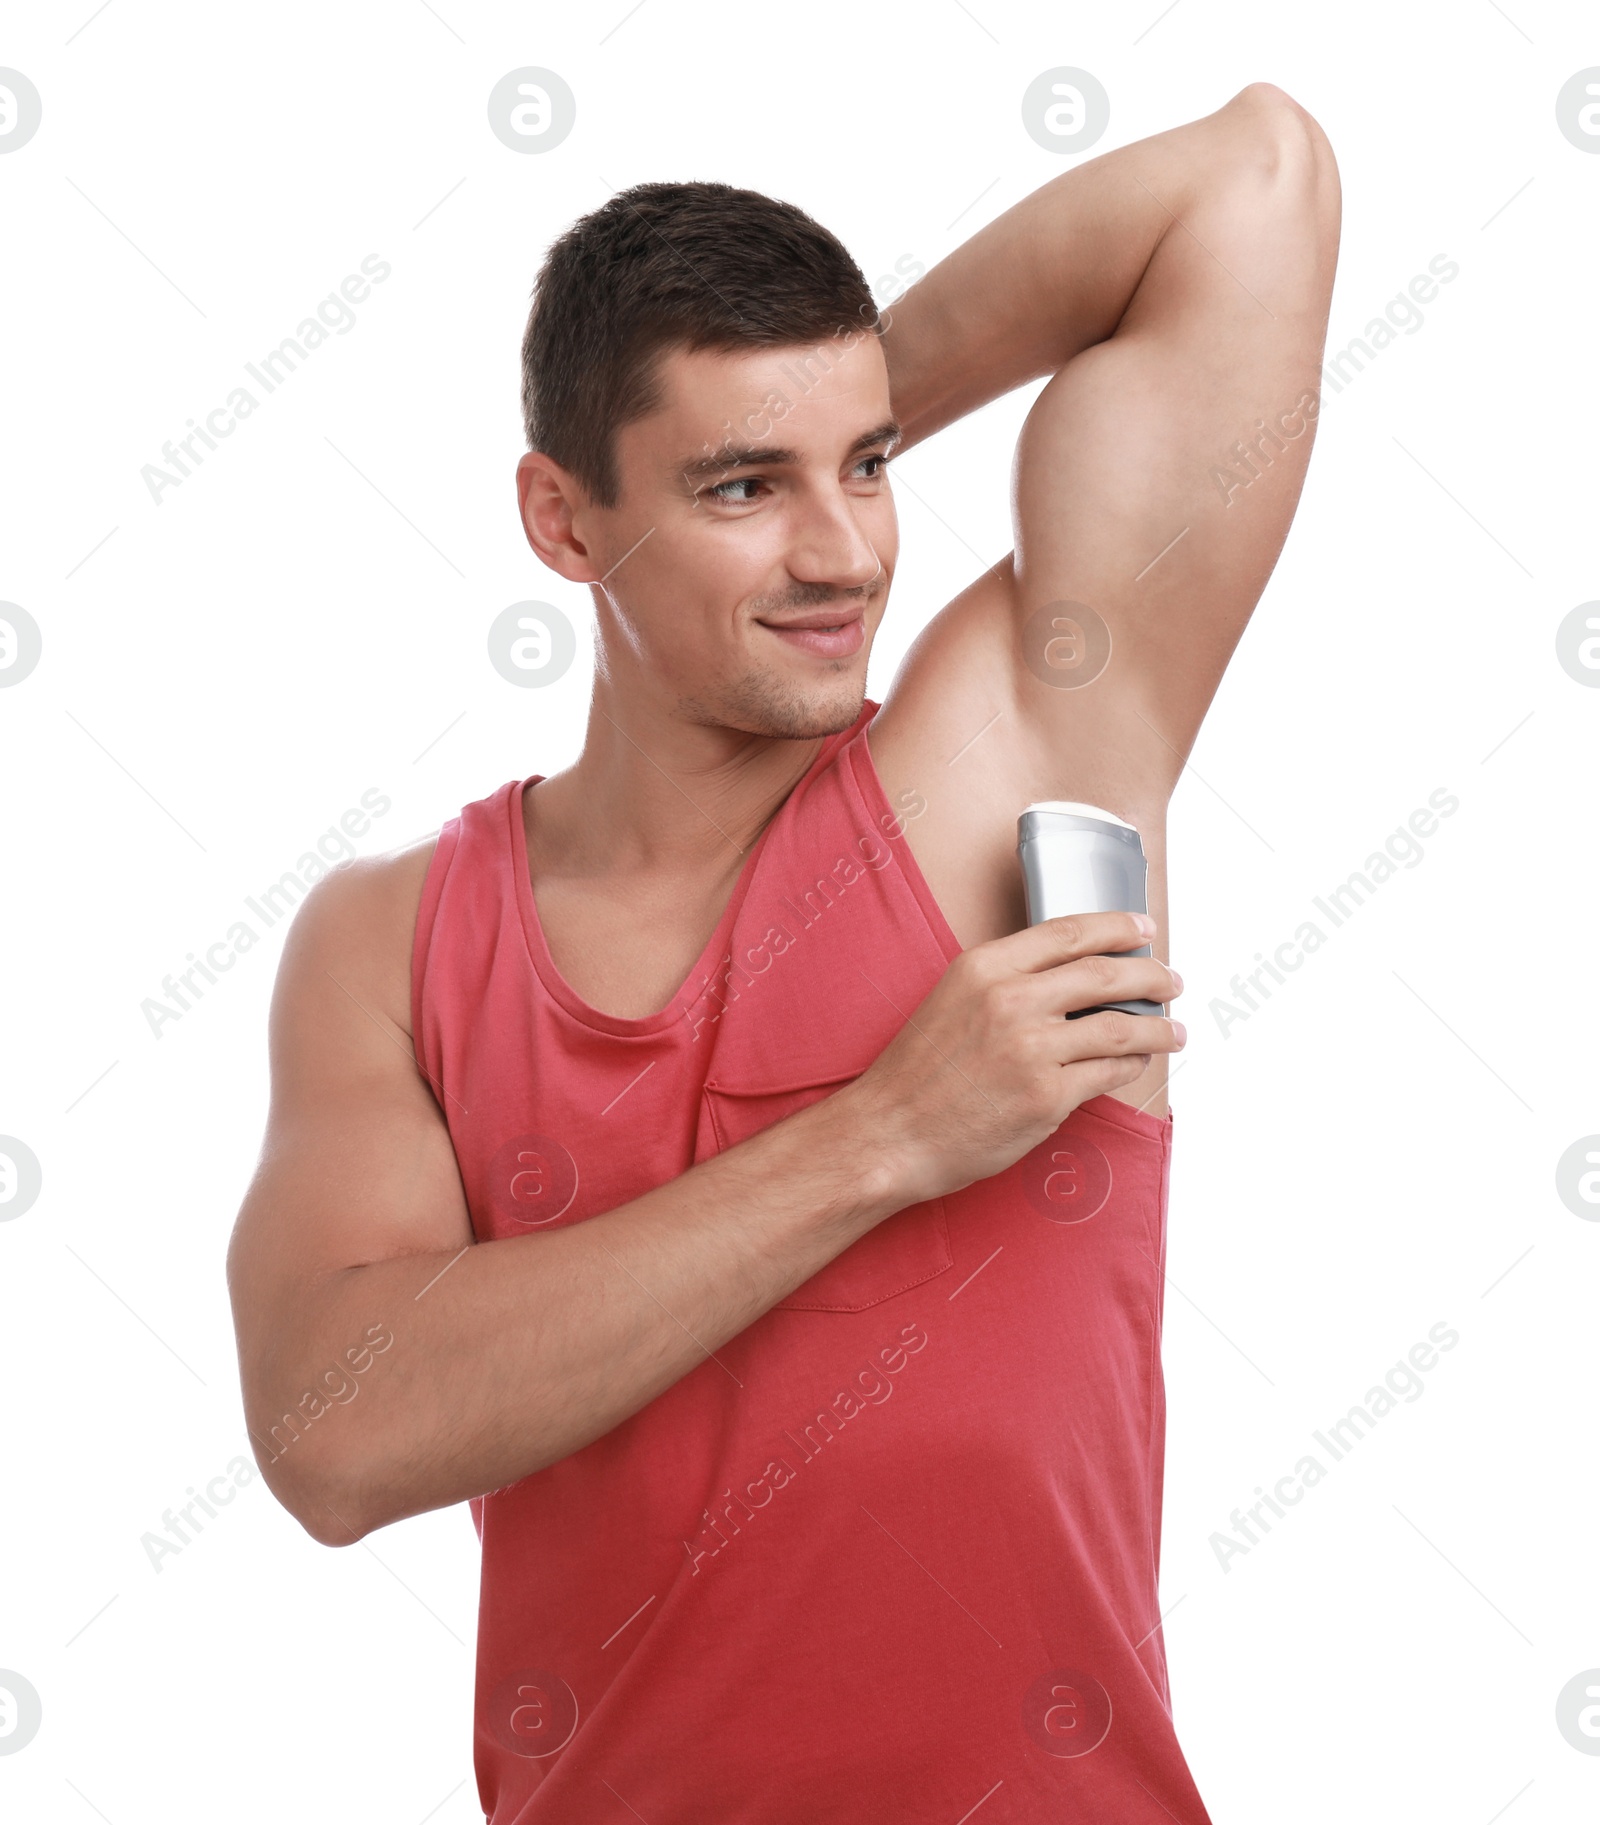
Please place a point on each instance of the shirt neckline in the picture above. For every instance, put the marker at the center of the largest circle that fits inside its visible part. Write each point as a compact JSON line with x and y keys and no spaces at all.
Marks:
{"x":693,"y":985}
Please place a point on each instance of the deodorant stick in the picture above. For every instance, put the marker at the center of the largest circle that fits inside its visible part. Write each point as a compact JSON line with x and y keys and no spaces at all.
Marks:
{"x":1080,"y":859}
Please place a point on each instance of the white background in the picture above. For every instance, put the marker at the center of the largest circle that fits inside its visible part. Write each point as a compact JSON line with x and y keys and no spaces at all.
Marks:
{"x":1372,"y":1152}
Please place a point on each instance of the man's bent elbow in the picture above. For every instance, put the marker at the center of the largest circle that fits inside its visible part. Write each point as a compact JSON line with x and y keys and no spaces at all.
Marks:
{"x":1281,"y":138}
{"x":330,"y":1526}
{"x":326,"y":1508}
{"x":1279,"y":165}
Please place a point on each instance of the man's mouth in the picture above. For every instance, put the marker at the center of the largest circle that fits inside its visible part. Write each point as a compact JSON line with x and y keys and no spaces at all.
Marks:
{"x":830,"y":633}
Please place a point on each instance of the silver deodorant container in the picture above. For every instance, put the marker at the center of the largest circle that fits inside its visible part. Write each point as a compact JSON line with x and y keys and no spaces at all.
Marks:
{"x":1079,"y":859}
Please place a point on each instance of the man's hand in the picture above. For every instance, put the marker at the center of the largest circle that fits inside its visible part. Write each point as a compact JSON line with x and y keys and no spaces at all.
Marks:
{"x":989,"y":1066}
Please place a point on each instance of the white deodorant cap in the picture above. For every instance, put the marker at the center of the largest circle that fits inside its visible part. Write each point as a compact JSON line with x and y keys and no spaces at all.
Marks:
{"x":1076,"y":809}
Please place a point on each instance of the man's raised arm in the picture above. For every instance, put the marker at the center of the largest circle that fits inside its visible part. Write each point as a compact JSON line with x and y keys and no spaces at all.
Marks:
{"x":1177,"y":291}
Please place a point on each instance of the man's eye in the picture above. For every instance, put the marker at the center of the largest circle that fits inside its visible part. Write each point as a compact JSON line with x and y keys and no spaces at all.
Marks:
{"x":881,"y":461}
{"x":744,"y":481}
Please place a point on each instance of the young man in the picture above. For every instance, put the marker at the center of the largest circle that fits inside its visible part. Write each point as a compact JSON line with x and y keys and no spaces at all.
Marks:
{"x":809,"y":1399}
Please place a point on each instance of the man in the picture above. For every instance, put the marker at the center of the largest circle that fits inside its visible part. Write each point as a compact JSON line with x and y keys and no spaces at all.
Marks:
{"x":809,"y":1400}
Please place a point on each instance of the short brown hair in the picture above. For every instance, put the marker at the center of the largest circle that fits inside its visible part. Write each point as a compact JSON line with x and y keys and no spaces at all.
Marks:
{"x":659,"y":266}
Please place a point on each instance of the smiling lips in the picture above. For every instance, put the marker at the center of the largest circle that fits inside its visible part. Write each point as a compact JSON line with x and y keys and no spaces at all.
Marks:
{"x":830,"y":633}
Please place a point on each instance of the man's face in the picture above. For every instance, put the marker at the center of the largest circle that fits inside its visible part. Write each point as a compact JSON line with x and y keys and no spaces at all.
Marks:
{"x":753,"y":499}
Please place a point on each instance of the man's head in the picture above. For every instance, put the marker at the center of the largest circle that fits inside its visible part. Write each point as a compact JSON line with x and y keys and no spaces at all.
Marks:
{"x":707,"y":412}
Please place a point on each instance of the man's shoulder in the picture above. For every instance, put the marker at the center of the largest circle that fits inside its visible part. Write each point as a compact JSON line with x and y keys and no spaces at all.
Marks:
{"x":374,"y":895}
{"x":356,"y":927}
{"x":369,"y":890}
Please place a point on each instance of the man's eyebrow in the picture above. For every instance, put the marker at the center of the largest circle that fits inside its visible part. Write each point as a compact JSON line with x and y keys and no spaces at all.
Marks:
{"x":774,"y":456}
{"x":889,"y":432}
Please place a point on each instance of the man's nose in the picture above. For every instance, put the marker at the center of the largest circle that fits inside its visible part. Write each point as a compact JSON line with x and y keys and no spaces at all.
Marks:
{"x":834,"y":548}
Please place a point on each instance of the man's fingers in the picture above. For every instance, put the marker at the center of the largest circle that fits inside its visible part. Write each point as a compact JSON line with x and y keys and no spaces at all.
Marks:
{"x":1099,"y":981}
{"x":1074,"y":935}
{"x":1081,"y":961}
{"x":1114,"y":1034}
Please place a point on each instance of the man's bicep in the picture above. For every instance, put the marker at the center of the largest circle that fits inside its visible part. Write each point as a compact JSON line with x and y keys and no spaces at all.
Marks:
{"x":1158,"y":471}
{"x":357,"y":1164}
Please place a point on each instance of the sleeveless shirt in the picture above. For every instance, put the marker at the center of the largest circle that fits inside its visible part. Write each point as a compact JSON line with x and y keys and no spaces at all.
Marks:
{"x":892,"y":1551}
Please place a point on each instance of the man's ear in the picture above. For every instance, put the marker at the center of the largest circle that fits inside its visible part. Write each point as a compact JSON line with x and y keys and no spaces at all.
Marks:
{"x":547,"y":496}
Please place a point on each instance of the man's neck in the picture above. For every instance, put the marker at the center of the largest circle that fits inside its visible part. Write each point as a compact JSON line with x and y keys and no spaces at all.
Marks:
{"x":657,"y":794}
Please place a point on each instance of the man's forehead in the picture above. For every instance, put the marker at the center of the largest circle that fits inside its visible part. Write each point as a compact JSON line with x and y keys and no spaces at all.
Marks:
{"x":712,"y":400}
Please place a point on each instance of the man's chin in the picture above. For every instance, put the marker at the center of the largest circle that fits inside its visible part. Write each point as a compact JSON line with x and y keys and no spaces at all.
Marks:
{"x":783,"y":709}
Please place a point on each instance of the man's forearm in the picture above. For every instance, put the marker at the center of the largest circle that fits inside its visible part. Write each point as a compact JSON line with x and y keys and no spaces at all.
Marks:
{"x":523,"y":1351}
{"x":1056,"y":273}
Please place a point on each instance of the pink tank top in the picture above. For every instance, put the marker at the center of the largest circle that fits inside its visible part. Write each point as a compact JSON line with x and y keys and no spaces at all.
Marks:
{"x":894,"y":1554}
